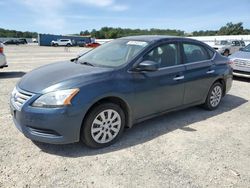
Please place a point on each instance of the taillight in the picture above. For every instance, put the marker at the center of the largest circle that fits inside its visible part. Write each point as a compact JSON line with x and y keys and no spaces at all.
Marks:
{"x":1,"y":50}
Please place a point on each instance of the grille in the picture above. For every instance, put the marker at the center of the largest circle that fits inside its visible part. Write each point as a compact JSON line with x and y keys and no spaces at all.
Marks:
{"x":18,"y":98}
{"x":242,"y":62}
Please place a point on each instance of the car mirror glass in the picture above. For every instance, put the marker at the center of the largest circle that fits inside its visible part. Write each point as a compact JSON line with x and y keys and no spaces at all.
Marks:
{"x":148,"y":66}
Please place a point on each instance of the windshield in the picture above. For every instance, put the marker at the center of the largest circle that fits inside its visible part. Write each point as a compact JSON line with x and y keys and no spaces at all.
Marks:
{"x":114,"y":53}
{"x":223,"y":42}
{"x":246,"y":49}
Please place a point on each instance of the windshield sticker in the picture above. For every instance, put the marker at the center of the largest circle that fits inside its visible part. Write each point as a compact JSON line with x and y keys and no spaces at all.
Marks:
{"x":137,"y":43}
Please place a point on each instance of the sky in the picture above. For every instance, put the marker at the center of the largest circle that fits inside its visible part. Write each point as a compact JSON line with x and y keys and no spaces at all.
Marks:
{"x":73,"y":16}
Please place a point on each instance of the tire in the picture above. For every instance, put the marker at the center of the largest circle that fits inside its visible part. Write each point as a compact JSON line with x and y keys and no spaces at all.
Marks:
{"x":226,"y":53}
{"x":103,"y":132}
{"x":214,"y":96}
{"x":68,"y":45}
{"x":56,"y":45}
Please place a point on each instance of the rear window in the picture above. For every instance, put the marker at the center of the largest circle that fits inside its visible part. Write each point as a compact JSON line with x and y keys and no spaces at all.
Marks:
{"x":195,"y":53}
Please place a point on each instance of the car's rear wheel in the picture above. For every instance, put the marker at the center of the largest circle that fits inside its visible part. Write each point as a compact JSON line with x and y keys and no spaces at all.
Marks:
{"x":68,"y":45}
{"x":226,"y":53}
{"x":214,"y":96}
{"x":103,"y":125}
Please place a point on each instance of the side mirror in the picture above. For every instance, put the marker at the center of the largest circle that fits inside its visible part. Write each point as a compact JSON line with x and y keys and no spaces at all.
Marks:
{"x":148,"y":66}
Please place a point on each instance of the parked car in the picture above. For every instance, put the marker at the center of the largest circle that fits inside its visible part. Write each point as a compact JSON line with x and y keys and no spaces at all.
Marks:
{"x":61,"y":42}
{"x":93,"y":45}
{"x":22,"y":41}
{"x":123,"y":82}
{"x":241,"y":62}
{"x":3,"y":62}
{"x":15,"y":41}
{"x":226,"y":48}
{"x":81,"y":43}
{"x":12,"y":41}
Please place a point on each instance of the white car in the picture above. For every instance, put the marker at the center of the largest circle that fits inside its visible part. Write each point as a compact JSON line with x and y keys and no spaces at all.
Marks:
{"x":61,"y":42}
{"x":3,"y":62}
{"x":241,"y":62}
{"x":226,"y":48}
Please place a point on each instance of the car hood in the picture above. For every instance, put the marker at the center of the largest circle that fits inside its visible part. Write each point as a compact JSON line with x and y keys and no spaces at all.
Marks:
{"x":60,"y":75}
{"x":241,"y":55}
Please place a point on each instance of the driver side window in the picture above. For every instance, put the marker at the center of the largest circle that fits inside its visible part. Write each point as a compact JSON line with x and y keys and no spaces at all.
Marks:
{"x":166,"y":55}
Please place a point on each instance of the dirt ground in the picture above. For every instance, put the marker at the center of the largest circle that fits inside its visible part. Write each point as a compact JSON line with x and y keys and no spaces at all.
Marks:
{"x":189,"y":148}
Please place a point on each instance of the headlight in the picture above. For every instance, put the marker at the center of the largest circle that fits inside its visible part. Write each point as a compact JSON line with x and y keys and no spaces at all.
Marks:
{"x":55,"y":99}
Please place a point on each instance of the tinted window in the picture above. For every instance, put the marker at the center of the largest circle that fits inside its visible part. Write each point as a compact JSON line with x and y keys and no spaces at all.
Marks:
{"x":211,"y":53}
{"x":236,"y":43}
{"x":194,"y":53}
{"x":166,"y":55}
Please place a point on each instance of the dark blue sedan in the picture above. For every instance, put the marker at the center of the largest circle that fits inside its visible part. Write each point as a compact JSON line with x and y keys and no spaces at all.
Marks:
{"x":95,"y":96}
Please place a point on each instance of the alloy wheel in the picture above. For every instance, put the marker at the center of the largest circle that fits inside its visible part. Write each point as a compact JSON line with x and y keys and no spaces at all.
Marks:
{"x":216,"y":95}
{"x":106,"y":126}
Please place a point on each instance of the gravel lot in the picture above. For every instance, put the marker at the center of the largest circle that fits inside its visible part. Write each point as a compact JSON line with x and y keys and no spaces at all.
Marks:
{"x":189,"y":148}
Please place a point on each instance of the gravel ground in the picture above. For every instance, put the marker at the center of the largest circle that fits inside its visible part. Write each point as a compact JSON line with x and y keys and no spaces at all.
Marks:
{"x":189,"y":148}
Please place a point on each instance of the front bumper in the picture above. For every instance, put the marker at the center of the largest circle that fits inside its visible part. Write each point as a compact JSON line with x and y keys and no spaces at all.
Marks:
{"x":241,"y":74}
{"x":241,"y":67}
{"x":54,"y":126}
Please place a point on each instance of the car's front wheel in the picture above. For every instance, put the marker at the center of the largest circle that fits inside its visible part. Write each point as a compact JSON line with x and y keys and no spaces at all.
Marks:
{"x":214,"y":96}
{"x":103,"y":125}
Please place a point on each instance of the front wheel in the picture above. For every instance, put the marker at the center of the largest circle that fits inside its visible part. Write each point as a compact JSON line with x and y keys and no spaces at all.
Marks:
{"x":214,"y":96}
{"x":103,"y":125}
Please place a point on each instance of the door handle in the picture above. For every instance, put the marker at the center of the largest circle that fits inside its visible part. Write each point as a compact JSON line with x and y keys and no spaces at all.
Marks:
{"x":210,"y":71}
{"x":178,"y":78}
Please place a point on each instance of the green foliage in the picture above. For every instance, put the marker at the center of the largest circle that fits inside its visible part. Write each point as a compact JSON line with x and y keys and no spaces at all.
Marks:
{"x":17,"y":34}
{"x":228,"y":29}
{"x":110,"y":32}
{"x":232,"y":29}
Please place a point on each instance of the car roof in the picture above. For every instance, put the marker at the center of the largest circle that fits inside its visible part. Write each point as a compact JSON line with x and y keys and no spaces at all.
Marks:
{"x":155,"y":38}
{"x":150,"y":38}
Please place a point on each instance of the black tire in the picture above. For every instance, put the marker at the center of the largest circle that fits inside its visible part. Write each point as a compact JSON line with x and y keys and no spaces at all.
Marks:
{"x":226,"y":53}
{"x":68,"y":45}
{"x":56,"y":45}
{"x":209,"y":105}
{"x":86,"y":132}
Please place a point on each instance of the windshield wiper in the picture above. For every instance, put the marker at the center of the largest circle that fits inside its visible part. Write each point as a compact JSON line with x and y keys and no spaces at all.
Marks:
{"x":86,"y":63}
{"x":75,"y":59}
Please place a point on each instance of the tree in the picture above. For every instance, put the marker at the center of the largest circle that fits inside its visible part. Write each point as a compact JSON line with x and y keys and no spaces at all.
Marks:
{"x":232,"y":29}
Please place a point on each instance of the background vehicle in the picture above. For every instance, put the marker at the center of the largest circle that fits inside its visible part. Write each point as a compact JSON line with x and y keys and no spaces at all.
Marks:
{"x":15,"y":41}
{"x":226,"y":48}
{"x":93,"y":45}
{"x":81,"y":43}
{"x":61,"y":42}
{"x":241,"y":62}
{"x":22,"y":41}
{"x":95,"y":96}
{"x":3,"y":62}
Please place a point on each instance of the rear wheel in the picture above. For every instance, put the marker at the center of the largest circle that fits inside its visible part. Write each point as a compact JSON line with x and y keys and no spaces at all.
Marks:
{"x":103,"y":125}
{"x":214,"y":96}
{"x":226,"y":53}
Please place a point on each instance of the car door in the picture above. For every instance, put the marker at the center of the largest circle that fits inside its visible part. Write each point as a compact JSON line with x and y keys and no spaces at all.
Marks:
{"x":160,"y":90}
{"x":199,"y":71}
